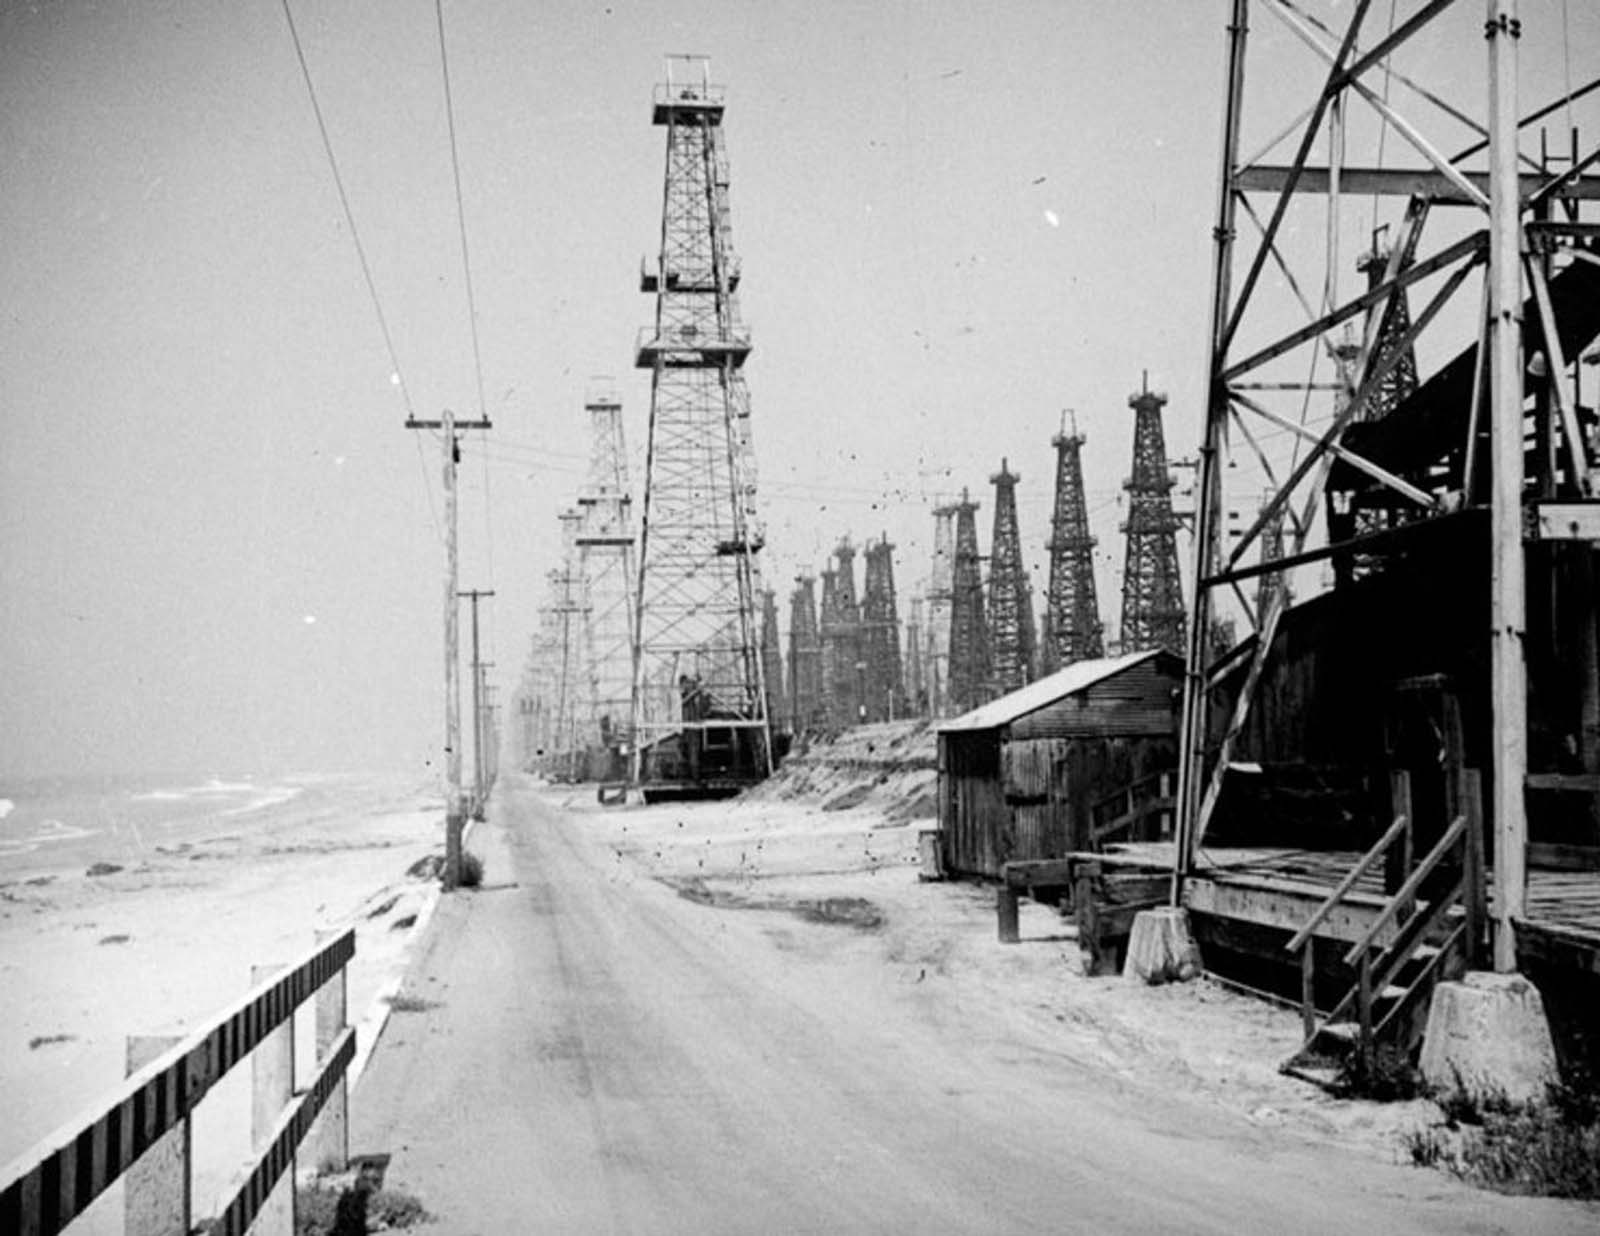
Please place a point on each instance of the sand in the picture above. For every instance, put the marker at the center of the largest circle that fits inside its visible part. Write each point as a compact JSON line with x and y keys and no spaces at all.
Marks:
{"x":161,"y":943}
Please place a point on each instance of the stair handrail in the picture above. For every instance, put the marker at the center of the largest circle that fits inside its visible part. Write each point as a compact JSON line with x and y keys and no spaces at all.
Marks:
{"x":1132,"y":812}
{"x":1363,"y":865}
{"x":1408,"y":891}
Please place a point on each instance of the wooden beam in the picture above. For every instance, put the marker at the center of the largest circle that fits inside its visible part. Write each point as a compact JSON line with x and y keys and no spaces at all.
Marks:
{"x":1278,"y":904}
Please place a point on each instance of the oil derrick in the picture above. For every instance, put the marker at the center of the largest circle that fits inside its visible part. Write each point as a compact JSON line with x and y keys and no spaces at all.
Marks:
{"x":605,"y":554}
{"x":1348,"y":515}
{"x":829,"y":651}
{"x":1072,"y":609}
{"x":1011,"y":630}
{"x":1399,"y":382}
{"x":1153,"y":615}
{"x":971,"y":677}
{"x":807,"y":708}
{"x":771,"y":655}
{"x":1273,"y":582}
{"x":570,"y":715}
{"x":697,"y":672}
{"x":936,"y":663}
{"x":841,"y":639}
{"x":880,"y":636}
{"x":916,"y":679}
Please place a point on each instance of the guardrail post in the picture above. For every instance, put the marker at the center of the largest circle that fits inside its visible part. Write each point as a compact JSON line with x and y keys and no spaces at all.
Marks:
{"x":271,"y":1088}
{"x":1308,"y":988}
{"x":1006,"y":909}
{"x":330,"y":1135}
{"x":158,"y":1195}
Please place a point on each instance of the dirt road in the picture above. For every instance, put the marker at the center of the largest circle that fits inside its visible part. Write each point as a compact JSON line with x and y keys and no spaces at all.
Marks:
{"x":600,"y":1054}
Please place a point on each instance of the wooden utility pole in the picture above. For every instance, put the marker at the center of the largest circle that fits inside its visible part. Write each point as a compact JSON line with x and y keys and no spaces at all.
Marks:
{"x":453,"y":813}
{"x":478,"y":791}
{"x":1508,"y":576}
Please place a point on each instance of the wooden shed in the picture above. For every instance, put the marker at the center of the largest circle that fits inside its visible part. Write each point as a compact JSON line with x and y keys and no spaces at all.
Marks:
{"x":1020,"y":776}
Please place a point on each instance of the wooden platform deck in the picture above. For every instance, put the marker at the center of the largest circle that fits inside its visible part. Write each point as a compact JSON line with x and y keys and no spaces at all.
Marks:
{"x":1280,"y":887}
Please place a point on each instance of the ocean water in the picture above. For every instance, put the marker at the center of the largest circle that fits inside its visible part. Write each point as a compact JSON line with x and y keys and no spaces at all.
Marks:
{"x":59,"y":823}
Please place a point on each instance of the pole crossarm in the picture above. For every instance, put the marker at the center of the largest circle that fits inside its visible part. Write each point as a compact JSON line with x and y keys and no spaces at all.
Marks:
{"x":413,"y":423}
{"x":1468,"y":246}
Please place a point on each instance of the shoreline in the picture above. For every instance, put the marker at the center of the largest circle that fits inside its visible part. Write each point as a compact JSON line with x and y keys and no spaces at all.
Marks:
{"x":161,"y":944}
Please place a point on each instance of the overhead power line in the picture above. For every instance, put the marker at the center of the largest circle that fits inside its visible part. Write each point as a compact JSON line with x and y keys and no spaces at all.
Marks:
{"x":349,"y":215}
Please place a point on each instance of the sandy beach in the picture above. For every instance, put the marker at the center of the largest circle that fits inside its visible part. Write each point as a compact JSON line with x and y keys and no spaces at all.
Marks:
{"x":223,"y":875}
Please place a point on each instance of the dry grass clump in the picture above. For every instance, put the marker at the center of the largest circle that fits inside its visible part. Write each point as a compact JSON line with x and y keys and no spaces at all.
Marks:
{"x":1547,"y":1148}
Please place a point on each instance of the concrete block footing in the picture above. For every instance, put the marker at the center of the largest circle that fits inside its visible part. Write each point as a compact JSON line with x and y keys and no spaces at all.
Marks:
{"x":1487,"y":1035}
{"x":1161,"y":949}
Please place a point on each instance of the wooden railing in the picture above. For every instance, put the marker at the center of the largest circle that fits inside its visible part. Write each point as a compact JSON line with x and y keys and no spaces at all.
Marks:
{"x":1302,"y":939}
{"x":142,"y":1130}
{"x":1450,"y":922}
{"x":1118,"y":813}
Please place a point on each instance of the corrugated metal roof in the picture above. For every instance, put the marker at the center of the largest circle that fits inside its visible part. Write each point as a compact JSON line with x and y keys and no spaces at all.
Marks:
{"x":1076,"y":677}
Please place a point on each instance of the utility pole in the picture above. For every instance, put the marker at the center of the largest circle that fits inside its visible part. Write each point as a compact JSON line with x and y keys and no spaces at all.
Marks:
{"x":453,"y":823}
{"x":1508,"y":673}
{"x":478,"y":770}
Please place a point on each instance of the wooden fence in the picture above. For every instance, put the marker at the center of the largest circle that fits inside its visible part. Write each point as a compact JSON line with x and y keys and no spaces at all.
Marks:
{"x":142,"y":1130}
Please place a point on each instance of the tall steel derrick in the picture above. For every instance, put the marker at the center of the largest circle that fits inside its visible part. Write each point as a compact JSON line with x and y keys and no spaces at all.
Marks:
{"x":807,"y":706}
{"x":829,"y":652}
{"x":697,"y":670}
{"x":936,"y":634}
{"x":1072,"y":608}
{"x":771,"y":655}
{"x":1271,"y":583}
{"x":1351,"y":515}
{"x":1483,"y":234}
{"x":971,"y":666}
{"x":570,"y":715}
{"x":1152,"y":589}
{"x":842,"y":667}
{"x":1012,"y":636}
{"x":883,"y":678}
{"x":605,"y":545}
{"x":916,"y":677}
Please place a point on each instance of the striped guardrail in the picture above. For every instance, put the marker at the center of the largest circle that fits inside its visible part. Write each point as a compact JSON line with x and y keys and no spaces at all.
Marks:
{"x":45,"y":1189}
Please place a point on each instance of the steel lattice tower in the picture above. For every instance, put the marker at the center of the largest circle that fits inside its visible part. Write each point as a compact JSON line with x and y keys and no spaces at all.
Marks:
{"x":1011,"y":630}
{"x":880,"y":636}
{"x":606,"y":561}
{"x":697,"y":627}
{"x":841,"y":638}
{"x":1273,"y":582}
{"x":1400,"y":381}
{"x":1072,"y":622}
{"x":1377,"y":513}
{"x":771,"y":653}
{"x":941,"y":584}
{"x":830,"y":650}
{"x":571,"y":719}
{"x":916,"y":678}
{"x":807,"y":708}
{"x":971,"y":677}
{"x":1153,"y":614}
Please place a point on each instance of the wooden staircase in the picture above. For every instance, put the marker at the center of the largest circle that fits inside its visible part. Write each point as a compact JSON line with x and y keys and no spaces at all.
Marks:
{"x":1411,"y":945}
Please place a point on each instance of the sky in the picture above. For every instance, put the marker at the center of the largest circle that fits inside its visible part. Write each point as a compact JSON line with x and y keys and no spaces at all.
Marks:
{"x":222,"y":549}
